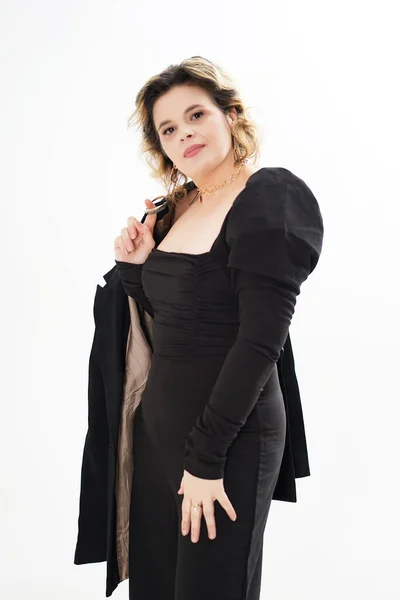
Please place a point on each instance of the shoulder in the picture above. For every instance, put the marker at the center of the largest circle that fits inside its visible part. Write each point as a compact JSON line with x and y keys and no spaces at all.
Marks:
{"x":276,"y":211}
{"x":274,"y":197}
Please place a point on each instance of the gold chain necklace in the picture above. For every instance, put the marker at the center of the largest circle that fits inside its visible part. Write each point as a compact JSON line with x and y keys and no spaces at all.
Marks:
{"x":204,"y":189}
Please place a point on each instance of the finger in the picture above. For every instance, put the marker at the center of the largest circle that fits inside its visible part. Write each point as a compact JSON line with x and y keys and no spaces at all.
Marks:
{"x":145,"y":234}
{"x":131,"y":227}
{"x":186,"y":516}
{"x":196,"y":513}
{"x":209,"y":516}
{"x":119,"y":245}
{"x":226,"y":504}
{"x":126,"y":239}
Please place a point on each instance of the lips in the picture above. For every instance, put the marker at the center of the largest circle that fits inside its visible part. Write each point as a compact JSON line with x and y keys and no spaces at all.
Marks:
{"x":192,"y":150}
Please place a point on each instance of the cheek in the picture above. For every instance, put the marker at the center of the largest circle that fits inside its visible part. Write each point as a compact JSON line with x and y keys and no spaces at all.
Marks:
{"x":210,"y":134}
{"x":216,"y":132}
{"x":170,"y":146}
{"x":173,"y":149}
{"x":217,"y":138}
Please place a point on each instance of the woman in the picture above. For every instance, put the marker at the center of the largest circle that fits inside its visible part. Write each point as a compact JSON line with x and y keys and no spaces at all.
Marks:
{"x":221,"y":287}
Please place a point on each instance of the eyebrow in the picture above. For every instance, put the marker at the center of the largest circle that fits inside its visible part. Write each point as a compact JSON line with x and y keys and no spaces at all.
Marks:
{"x":186,"y":111}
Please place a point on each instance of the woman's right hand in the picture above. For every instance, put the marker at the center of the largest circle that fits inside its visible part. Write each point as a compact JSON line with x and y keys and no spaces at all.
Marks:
{"x":136,"y":240}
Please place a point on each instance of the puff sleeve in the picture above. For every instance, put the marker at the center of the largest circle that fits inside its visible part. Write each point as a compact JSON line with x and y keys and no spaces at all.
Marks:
{"x":274,"y":233}
{"x":131,"y":279}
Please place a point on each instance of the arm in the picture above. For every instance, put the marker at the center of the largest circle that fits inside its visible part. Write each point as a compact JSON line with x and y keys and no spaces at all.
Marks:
{"x":131,"y":279}
{"x":275,"y":237}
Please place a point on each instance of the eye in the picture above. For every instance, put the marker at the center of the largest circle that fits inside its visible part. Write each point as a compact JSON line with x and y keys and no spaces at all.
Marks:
{"x":194,"y":114}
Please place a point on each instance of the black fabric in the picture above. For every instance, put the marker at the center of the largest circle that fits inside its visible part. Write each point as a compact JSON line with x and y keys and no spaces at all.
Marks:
{"x":274,"y":233}
{"x":131,"y":279}
{"x":230,"y":566}
{"x":200,"y":361}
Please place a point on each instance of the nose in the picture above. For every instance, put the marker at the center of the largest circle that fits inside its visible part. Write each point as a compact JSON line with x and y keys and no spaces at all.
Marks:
{"x":187,"y":135}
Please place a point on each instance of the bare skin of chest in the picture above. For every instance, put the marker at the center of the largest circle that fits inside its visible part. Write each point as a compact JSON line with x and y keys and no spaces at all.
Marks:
{"x":196,"y":227}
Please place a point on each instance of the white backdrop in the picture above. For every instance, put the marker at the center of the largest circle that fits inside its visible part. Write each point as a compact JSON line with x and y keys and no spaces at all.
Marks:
{"x":321,"y":80}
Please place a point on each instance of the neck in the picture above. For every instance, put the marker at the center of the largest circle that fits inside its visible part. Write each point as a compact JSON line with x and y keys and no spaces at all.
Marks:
{"x":231,"y":188}
{"x":234,"y":176}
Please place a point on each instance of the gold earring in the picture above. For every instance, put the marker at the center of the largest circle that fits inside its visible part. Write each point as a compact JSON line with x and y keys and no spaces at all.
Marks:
{"x":236,"y":148}
{"x":172,"y":180}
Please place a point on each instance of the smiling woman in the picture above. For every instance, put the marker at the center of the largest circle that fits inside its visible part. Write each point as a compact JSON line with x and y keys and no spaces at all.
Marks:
{"x":188,"y":104}
{"x":212,"y":444}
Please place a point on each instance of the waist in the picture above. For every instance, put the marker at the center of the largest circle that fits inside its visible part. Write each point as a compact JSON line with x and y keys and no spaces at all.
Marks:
{"x":200,"y":339}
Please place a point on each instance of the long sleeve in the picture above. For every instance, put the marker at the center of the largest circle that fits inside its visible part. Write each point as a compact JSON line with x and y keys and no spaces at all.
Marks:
{"x":274,"y":233}
{"x":131,"y":279}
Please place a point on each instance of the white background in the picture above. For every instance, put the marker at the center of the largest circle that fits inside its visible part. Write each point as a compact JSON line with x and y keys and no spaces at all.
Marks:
{"x":321,"y":80}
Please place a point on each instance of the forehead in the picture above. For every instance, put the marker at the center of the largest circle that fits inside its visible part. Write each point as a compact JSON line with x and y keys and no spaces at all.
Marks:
{"x":172,"y":103}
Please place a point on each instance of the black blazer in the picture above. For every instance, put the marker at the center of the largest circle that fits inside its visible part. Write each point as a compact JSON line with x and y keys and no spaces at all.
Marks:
{"x":97,"y":519}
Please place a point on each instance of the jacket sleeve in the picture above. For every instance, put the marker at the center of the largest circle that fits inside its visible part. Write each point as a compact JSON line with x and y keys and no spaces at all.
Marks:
{"x":274,"y":233}
{"x":131,"y":279}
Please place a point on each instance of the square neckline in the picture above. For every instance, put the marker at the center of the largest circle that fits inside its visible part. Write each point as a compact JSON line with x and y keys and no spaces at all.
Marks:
{"x":175,"y":253}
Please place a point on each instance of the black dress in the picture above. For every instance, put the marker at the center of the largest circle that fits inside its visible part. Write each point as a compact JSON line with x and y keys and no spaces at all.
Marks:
{"x":212,"y":403}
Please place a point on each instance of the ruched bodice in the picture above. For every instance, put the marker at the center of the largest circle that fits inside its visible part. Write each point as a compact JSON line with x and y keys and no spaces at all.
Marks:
{"x":195,"y":307}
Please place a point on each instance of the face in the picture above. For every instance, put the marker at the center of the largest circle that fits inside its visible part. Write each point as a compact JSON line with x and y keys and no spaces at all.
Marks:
{"x":204,"y":124}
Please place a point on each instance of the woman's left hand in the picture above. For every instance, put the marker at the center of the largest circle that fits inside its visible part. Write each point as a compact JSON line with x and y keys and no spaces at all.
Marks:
{"x":203,"y":491}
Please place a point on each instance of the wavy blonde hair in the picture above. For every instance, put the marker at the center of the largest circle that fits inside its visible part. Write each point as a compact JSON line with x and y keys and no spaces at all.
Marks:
{"x":198,"y":71}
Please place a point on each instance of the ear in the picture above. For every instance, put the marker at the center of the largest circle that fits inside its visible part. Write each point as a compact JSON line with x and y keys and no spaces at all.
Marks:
{"x":232,"y":115}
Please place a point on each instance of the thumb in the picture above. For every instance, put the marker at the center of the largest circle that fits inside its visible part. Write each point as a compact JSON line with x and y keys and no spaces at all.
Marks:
{"x":150,"y":220}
